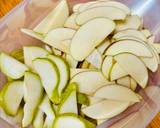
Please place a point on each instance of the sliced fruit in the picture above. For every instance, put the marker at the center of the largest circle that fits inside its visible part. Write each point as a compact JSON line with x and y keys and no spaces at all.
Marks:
{"x":85,"y":65}
{"x":71,"y":22}
{"x":55,"y":37}
{"x":11,"y":101}
{"x":131,"y":22}
{"x":133,"y":84}
{"x":125,"y":81}
{"x":94,"y":100}
{"x":75,"y":71}
{"x":48,"y":48}
{"x":157,"y":47}
{"x":18,"y":54}
{"x":146,"y":33}
{"x":76,"y":7}
{"x":39,"y":120}
{"x":55,"y":18}
{"x":102,"y":47}
{"x":32,"y":34}
{"x":129,"y":46}
{"x":151,"y":39}
{"x":86,"y":5}
{"x":50,"y":77}
{"x":134,"y":67}
{"x":7,"y":63}
{"x":33,"y":52}
{"x":105,"y":109}
{"x":97,"y":12}
{"x":117,"y":72}
{"x":95,"y":59}
{"x":33,"y":93}
{"x":101,"y":121}
{"x":93,"y":80}
{"x":84,"y":40}
{"x":71,"y":61}
{"x":48,"y":123}
{"x":116,"y":92}
{"x":56,"y":51}
{"x":92,"y":67}
{"x":82,"y":99}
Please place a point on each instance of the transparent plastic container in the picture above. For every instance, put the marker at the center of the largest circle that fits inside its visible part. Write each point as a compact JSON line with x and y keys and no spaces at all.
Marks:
{"x":30,"y":12}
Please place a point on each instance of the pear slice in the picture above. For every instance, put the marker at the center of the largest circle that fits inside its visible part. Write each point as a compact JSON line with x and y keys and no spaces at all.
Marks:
{"x":133,"y":84}
{"x":50,"y":77}
{"x":71,"y":22}
{"x":93,"y":79}
{"x":107,"y":66}
{"x":129,"y":46}
{"x":105,"y":109}
{"x":7,"y":63}
{"x":134,"y":67}
{"x":11,"y":101}
{"x":33,"y":52}
{"x":146,"y":33}
{"x":55,"y":37}
{"x":33,"y":93}
{"x":102,"y":47}
{"x":125,"y":81}
{"x":71,"y":61}
{"x":32,"y":34}
{"x":131,"y":22}
{"x":117,"y":72}
{"x":84,"y":40}
{"x":69,"y":102}
{"x":64,"y":72}
{"x":116,"y":92}
{"x":75,"y":71}
{"x":39,"y":120}
{"x":112,"y":13}
{"x":95,"y":59}
{"x":55,"y":18}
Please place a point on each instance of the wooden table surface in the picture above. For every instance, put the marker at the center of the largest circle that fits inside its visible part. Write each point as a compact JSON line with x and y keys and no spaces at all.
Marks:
{"x":7,"y":5}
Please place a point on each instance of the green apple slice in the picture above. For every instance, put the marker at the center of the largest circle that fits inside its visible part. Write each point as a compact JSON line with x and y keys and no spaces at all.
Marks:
{"x":18,"y":54}
{"x":74,"y":71}
{"x":124,"y":81}
{"x":39,"y":120}
{"x":133,"y":84}
{"x":33,"y":52}
{"x":50,"y":77}
{"x":11,"y":101}
{"x":102,"y":47}
{"x":55,"y":18}
{"x":84,"y":41}
{"x":85,"y":6}
{"x":146,"y":33}
{"x":112,"y":13}
{"x":33,"y":93}
{"x":84,"y":65}
{"x":48,"y":48}
{"x":56,"y":51}
{"x":71,"y":61}
{"x":7,"y":63}
{"x":157,"y":47}
{"x":93,"y":79}
{"x":82,"y":99}
{"x":76,"y":7}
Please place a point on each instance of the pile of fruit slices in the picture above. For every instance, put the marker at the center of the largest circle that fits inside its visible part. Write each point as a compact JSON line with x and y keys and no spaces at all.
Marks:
{"x":86,"y":72}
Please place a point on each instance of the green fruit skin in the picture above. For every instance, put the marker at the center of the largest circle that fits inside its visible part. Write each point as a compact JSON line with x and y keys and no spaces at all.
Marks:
{"x":82,"y":99}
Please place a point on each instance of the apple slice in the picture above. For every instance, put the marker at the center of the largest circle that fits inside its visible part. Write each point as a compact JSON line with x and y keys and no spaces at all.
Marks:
{"x":33,"y":93}
{"x":129,"y":46}
{"x":131,"y":22}
{"x":11,"y":101}
{"x":82,"y":99}
{"x":39,"y":120}
{"x":48,"y":48}
{"x":105,"y":109}
{"x":93,"y":79}
{"x":157,"y":47}
{"x":146,"y":33}
{"x":77,"y":6}
{"x":133,"y":84}
{"x":112,"y":13}
{"x":84,"y":41}
{"x":151,"y":39}
{"x":75,"y":71}
{"x":107,"y":66}
{"x":117,"y":72}
{"x":95,"y":59}
{"x":50,"y":77}
{"x":101,"y":121}
{"x":56,"y":51}
{"x":84,"y":65}
{"x":102,"y":47}
{"x":7,"y":63}
{"x":92,"y":67}
{"x":134,"y":67}
{"x":55,"y":18}
{"x":33,"y":52}
{"x":71,"y":61}
{"x":125,"y":81}
{"x":86,"y":5}
{"x":71,"y":22}
{"x":55,"y":37}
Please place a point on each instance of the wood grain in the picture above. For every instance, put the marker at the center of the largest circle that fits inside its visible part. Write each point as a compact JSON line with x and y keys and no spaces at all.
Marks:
{"x":7,"y":5}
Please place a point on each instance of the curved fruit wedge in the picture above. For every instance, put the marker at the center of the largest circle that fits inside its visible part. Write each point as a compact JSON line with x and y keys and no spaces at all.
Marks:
{"x":146,"y":33}
{"x":105,"y":109}
{"x":133,"y":84}
{"x":134,"y":67}
{"x":77,"y":6}
{"x":75,"y":71}
{"x":97,"y":12}
{"x":84,"y":40}
{"x":50,"y":77}
{"x":71,"y":61}
{"x":124,"y":81}
{"x":7,"y":63}
{"x":82,"y":99}
{"x":39,"y":120}
{"x":86,"y":5}
{"x":102,"y":47}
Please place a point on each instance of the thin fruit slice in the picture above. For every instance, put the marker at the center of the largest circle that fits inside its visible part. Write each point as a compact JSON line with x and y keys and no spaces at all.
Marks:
{"x":69,"y":102}
{"x":55,"y":18}
{"x":146,"y":33}
{"x":157,"y":47}
{"x":82,"y":99}
{"x":133,"y":84}
{"x":11,"y":101}
{"x":33,"y":52}
{"x":84,"y":65}
{"x":93,"y":79}
{"x":56,"y":51}
{"x":39,"y":120}
{"x":71,"y":61}
{"x":33,"y":93}
{"x":97,"y":12}
{"x":129,"y":46}
{"x":107,"y":66}
{"x":105,"y":109}
{"x":84,"y":40}
{"x":116,"y":92}
{"x":86,"y":5}
{"x":134,"y":67}
{"x":95,"y":59}
{"x":55,"y":37}
{"x":76,"y":7}
{"x":117,"y":72}
{"x":48,"y":48}
{"x":7,"y":63}
{"x":101,"y":121}
{"x":49,"y":75}
{"x":32,"y":34}
{"x":18,"y":54}
{"x":64,"y":72}
{"x":151,"y":39}
{"x":75,"y":71}
{"x":125,"y":81}
{"x":131,"y":22}
{"x":102,"y":47}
